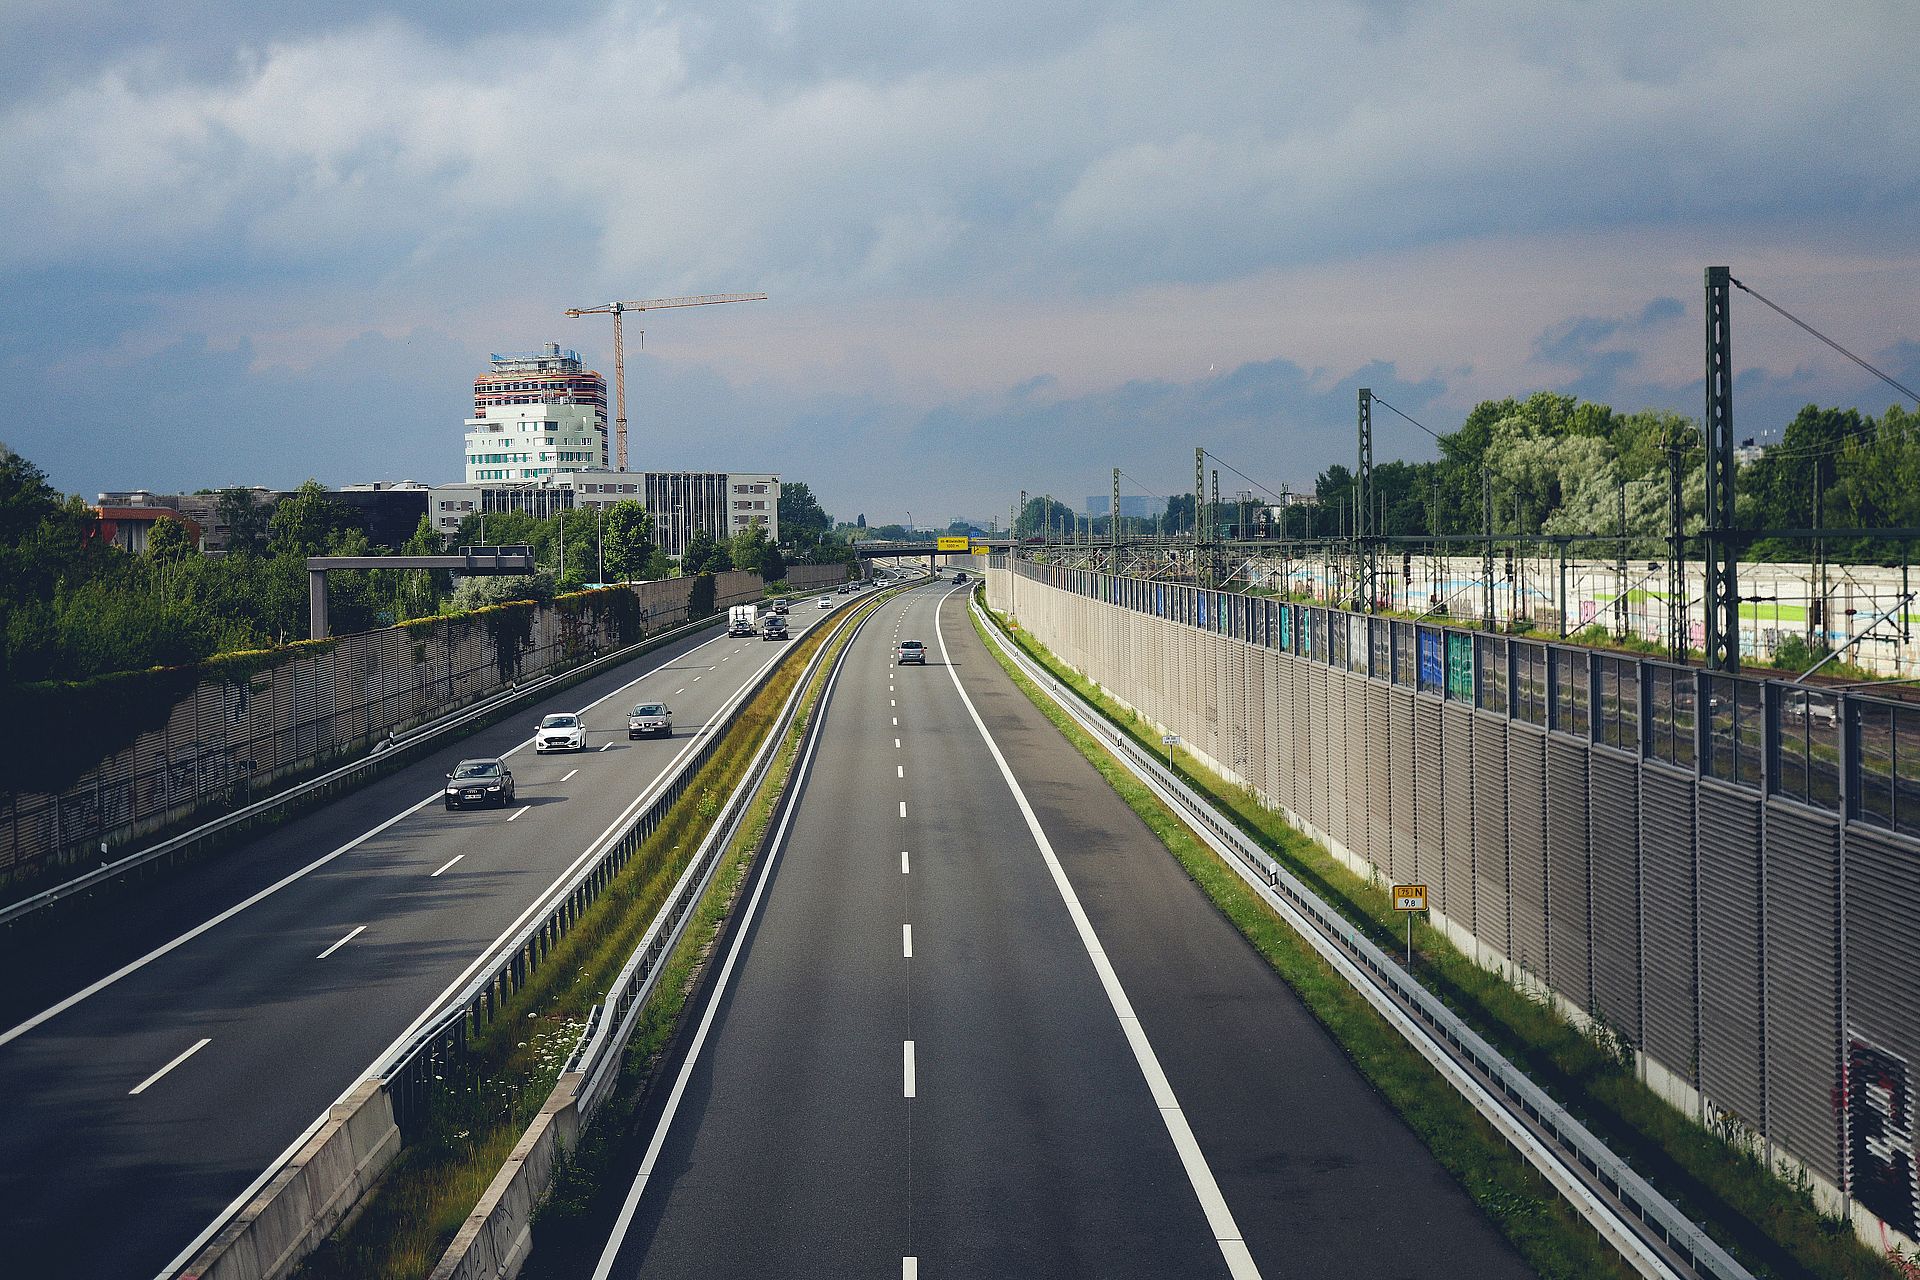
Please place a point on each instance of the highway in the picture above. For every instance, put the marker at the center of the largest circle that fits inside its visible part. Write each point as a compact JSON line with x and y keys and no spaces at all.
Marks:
{"x":973,"y":1019}
{"x":158,"y":1054}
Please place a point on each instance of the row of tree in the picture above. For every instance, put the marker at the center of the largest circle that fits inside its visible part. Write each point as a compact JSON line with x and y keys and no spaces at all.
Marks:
{"x":1555,"y":465}
{"x":73,"y":606}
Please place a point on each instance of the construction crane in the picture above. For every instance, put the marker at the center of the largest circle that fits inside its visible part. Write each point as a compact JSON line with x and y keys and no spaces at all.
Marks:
{"x":616,"y":310}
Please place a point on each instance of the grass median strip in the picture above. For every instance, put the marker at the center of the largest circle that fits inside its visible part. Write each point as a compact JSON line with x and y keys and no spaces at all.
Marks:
{"x":570,"y":1227}
{"x":408,"y":1219}
{"x":1771,"y":1225}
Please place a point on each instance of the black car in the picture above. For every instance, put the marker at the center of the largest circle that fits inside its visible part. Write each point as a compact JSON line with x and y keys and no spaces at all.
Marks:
{"x":480,"y":782}
{"x":774,"y":628}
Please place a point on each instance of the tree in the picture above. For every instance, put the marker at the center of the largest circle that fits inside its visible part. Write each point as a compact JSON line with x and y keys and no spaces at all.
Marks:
{"x":802,"y":519}
{"x":746,"y":547}
{"x":305,"y":522}
{"x":168,"y":541}
{"x":1042,"y":515}
{"x":861,"y":522}
{"x":704,"y":555}
{"x":629,"y":541}
{"x":246,"y":520}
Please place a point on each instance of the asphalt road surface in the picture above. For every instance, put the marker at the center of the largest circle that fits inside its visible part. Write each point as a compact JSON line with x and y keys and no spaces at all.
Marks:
{"x":966,"y":1030}
{"x":157,"y":1055}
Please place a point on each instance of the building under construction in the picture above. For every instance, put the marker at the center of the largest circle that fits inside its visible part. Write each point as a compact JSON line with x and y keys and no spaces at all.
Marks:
{"x":549,"y":376}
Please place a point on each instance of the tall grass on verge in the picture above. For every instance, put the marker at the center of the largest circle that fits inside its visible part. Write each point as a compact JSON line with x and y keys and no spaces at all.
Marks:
{"x":1715,"y":1177}
{"x":412,"y":1214}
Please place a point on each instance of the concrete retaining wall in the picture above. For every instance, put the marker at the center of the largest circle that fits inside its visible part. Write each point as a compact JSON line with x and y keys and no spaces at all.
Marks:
{"x":310,"y":1197}
{"x":493,"y":1242}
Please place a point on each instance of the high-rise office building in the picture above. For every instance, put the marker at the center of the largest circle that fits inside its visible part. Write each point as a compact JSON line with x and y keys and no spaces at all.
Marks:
{"x":536,"y":414}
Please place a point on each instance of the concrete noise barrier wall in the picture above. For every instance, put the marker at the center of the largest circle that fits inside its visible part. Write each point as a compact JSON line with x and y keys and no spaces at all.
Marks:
{"x":1713,"y":872}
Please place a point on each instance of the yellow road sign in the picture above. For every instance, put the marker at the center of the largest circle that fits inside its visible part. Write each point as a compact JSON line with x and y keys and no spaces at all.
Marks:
{"x":944,"y":543}
{"x":982,"y":549}
{"x":1409,"y":897}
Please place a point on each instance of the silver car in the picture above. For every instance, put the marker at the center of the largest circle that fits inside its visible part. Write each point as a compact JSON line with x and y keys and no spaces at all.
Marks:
{"x":650,"y":718}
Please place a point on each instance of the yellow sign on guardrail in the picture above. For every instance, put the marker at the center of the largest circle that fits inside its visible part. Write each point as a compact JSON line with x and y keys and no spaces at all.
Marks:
{"x":952,"y":544}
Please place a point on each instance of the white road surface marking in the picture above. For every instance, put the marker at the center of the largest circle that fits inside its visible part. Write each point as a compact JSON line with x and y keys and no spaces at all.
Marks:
{"x":909,"y":1269}
{"x":896,"y":722}
{"x":678,"y":692}
{"x":900,"y":771}
{"x":355,"y":932}
{"x":903,"y":863}
{"x":903,"y":808}
{"x":450,"y":861}
{"x":1226,"y":1232}
{"x":144,"y":1085}
{"x":522,"y":808}
{"x":909,"y":1058}
{"x":896,"y":744}
{"x":569,"y":776}
{"x":605,"y":745}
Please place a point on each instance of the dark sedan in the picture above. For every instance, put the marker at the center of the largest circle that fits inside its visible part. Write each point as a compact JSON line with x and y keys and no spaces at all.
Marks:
{"x":479,"y":782}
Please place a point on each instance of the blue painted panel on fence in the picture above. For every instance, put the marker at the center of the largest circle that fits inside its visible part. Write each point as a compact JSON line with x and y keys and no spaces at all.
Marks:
{"x":1433,"y":663}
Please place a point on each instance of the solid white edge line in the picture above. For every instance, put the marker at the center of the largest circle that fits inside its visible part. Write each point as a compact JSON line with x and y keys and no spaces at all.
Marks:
{"x":1213,"y":1204}
{"x":134,"y":966}
{"x":450,"y":861}
{"x":355,"y":932}
{"x":628,"y":1207}
{"x":149,"y":1081}
{"x":245,"y":1197}
{"x":908,"y":1055}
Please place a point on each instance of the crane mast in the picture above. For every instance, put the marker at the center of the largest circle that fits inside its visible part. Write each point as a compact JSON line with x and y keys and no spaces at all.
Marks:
{"x":617,"y":310}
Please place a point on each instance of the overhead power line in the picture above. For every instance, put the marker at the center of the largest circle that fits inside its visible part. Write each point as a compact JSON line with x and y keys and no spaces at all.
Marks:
{"x":1429,"y":430}
{"x":1891,"y":381}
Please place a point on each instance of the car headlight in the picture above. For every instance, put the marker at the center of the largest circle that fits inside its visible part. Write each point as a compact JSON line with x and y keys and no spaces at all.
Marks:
{"x":494,"y":787}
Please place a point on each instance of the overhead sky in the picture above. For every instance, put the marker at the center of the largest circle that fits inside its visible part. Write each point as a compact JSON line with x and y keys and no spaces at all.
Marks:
{"x":1008,"y":245}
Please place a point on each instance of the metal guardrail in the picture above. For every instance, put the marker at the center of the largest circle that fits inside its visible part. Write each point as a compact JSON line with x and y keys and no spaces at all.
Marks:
{"x":611,"y":1024}
{"x":1654,"y":1236}
{"x":342,"y":777}
{"x":436,"y":1055}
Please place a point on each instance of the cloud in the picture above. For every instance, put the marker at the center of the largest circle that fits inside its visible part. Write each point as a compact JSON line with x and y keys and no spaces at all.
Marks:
{"x":1031,"y":223}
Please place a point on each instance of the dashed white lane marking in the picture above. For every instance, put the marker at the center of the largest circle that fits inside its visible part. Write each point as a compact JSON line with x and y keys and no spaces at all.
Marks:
{"x":698,"y":679}
{"x":892,"y":703}
{"x":909,"y":1061}
{"x":903,"y":808}
{"x":605,"y":745}
{"x":522,"y":809}
{"x":678,"y":692}
{"x":899,"y":771}
{"x":906,"y":941}
{"x":896,"y":722}
{"x":909,"y":1269}
{"x":896,"y":744}
{"x":569,"y":776}
{"x":903,"y":863}
{"x":450,"y":861}
{"x":144,"y":1085}
{"x":356,"y":932}
{"x":1226,"y":1232}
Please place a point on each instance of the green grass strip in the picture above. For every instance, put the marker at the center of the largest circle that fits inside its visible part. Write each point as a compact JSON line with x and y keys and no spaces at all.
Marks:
{"x":1771,"y":1225}
{"x":410,"y":1216}
{"x":569,"y":1228}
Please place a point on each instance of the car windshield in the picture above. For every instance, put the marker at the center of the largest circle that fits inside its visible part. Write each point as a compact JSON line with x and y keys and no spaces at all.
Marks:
{"x":477,"y":769}
{"x":910,"y":644}
{"x":559,"y":722}
{"x":649,"y":709}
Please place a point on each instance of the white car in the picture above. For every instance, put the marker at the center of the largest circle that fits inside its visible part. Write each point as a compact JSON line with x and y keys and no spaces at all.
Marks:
{"x":825,"y":603}
{"x":562,"y":731}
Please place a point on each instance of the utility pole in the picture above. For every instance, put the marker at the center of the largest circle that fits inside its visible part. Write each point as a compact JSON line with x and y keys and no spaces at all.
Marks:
{"x":1676,"y":555}
{"x":1620,"y":570}
{"x":1213,"y":532}
{"x":1369,"y":552}
{"x":1723,"y":587}
{"x":1486,"y":548}
{"x":1113,"y":523}
{"x":1199,"y":504}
